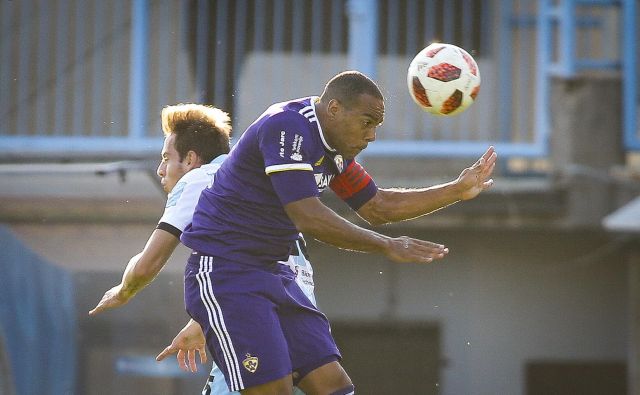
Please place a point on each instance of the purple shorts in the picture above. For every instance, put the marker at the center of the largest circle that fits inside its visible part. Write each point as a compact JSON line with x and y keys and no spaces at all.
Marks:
{"x":258,"y":323}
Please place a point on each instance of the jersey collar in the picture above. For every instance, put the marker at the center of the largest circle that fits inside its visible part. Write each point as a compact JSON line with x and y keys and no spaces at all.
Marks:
{"x":220,"y":158}
{"x":314,"y":100}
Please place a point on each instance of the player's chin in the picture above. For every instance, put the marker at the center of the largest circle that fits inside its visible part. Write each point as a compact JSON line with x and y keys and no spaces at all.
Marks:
{"x":354,"y":152}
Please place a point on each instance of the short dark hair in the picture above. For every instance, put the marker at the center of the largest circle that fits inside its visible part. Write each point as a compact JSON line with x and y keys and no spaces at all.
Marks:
{"x":347,"y":86}
{"x":202,"y":129}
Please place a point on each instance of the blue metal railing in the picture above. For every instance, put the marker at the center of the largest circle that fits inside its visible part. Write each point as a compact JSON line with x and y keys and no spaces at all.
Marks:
{"x":565,"y":17}
{"x":506,"y":79}
{"x":92,"y":79}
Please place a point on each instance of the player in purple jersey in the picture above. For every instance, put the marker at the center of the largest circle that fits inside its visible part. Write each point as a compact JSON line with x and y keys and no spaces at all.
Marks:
{"x":262,"y":331}
{"x":193,"y":135}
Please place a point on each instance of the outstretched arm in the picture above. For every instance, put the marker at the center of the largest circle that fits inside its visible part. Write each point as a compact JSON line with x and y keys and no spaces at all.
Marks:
{"x":392,"y":205}
{"x":313,"y":218}
{"x":140,"y":271}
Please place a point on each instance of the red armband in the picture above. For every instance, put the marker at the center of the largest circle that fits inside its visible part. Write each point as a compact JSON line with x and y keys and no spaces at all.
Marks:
{"x":351,"y":181}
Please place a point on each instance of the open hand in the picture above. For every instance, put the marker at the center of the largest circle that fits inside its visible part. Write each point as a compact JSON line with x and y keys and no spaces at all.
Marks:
{"x":476,"y":178}
{"x":407,"y":249}
{"x":189,"y":341}
{"x":111,"y":299}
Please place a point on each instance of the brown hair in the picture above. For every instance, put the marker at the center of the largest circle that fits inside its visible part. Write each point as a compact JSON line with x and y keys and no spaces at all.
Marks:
{"x":202,"y":129}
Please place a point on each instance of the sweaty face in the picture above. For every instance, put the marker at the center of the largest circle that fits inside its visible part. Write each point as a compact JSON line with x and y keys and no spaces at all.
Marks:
{"x":355,"y":127}
{"x":171,"y":168}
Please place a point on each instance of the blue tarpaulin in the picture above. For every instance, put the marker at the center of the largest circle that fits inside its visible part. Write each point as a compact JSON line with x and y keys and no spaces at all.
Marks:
{"x":37,"y":320}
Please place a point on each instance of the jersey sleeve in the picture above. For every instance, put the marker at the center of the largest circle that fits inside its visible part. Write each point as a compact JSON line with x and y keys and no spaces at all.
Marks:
{"x":286,"y":144}
{"x":181,"y":204}
{"x":354,"y":185}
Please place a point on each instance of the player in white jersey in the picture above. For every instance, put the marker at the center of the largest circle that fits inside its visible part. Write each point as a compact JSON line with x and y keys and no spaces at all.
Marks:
{"x":194,"y":134}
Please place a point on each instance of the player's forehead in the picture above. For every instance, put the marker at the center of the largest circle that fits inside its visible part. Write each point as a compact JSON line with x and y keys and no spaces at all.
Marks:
{"x":370,"y":106}
{"x":169,"y":146}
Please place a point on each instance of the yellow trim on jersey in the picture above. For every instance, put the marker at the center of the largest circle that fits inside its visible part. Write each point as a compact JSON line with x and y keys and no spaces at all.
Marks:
{"x":287,"y":167}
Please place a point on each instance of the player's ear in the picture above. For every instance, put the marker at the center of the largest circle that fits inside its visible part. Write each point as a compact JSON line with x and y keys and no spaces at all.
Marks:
{"x":333,"y":107}
{"x":192,"y":160}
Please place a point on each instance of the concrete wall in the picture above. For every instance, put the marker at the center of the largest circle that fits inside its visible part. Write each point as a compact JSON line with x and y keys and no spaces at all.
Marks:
{"x":530,"y":276}
{"x":500,"y":299}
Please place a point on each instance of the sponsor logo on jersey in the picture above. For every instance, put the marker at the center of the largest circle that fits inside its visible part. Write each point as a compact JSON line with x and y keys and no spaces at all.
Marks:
{"x":323,"y":180}
{"x":303,"y":275}
{"x":295,"y":148}
{"x":250,"y":363}
{"x":319,"y":162}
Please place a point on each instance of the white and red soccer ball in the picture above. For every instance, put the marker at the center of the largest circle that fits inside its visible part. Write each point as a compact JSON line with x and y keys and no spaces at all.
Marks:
{"x":443,"y":79}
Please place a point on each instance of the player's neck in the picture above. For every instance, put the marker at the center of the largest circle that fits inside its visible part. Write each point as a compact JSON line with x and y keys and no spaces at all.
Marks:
{"x":324,"y":122}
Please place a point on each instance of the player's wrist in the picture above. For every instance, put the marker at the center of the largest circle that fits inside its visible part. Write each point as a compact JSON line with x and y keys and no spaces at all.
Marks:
{"x":455,"y":190}
{"x":387,"y":246}
{"x":126,"y":292}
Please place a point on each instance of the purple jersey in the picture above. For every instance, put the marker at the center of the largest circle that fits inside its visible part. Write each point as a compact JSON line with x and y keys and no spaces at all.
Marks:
{"x":281,"y":158}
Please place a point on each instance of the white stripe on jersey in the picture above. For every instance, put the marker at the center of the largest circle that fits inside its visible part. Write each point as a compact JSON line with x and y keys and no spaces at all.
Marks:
{"x":216,"y":321}
{"x":288,"y":166}
{"x":309,"y":113}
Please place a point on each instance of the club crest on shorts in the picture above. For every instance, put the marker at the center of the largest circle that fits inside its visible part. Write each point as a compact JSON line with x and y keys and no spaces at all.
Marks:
{"x":250,"y":363}
{"x":339,"y":162}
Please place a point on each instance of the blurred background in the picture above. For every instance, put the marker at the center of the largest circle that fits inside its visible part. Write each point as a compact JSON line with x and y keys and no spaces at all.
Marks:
{"x":540,"y":293}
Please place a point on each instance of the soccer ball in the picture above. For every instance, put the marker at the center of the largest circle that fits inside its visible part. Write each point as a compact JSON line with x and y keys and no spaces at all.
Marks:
{"x":443,"y":79}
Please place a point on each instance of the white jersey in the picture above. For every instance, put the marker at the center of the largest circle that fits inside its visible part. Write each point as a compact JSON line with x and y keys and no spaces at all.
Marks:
{"x":184,"y":196}
{"x":178,"y":212}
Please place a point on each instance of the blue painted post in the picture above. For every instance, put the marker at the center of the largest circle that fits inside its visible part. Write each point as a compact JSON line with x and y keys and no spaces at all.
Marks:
{"x":542,"y":120}
{"x":363,"y":36}
{"x":568,"y":53}
{"x":138,"y":68}
{"x":630,"y":80}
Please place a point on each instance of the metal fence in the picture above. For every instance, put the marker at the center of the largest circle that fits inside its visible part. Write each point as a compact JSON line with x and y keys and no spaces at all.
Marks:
{"x":90,"y":77}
